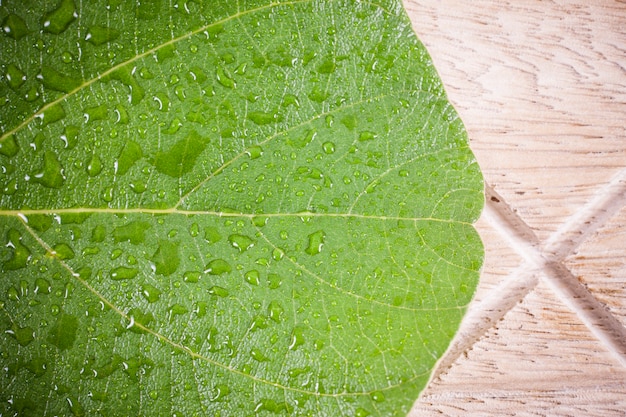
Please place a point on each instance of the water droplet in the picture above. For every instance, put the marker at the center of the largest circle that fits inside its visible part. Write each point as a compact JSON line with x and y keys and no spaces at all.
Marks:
{"x":150,"y":293}
{"x":20,"y":253}
{"x":378,"y":396}
{"x":181,"y":157}
{"x":98,"y":35}
{"x":63,"y":333}
{"x":95,"y":113}
{"x":254,"y":152}
{"x":212,"y":235}
{"x":328,"y":66}
{"x":316,"y":242}
{"x":219,"y":291}
{"x":218,"y":267}
{"x":191,"y":276}
{"x":23,"y":335}
{"x":403,"y":173}
{"x":361,"y":412}
{"x":55,"y":80}
{"x":163,"y":101}
{"x":274,"y":281}
{"x":224,"y":78}
{"x":328,"y":147}
{"x":166,"y":258}
{"x":272,"y":406}
{"x":63,"y":251}
{"x":75,"y":406}
{"x":15,"y":76}
{"x":291,"y":100}
{"x":241,"y":242}
{"x":277,"y":254}
{"x":133,"y":232}
{"x":130,"y":153}
{"x":67,"y":57}
{"x":14,"y":26}
{"x":258,"y":355}
{"x":297,"y":338}
{"x":253,"y":277}
{"x":42,"y":286}
{"x":275,"y":311}
{"x":366,"y":136}
{"x":60,"y":18}
{"x":219,"y":392}
{"x":303,"y":141}
{"x":263,"y":118}
{"x":123,"y":272}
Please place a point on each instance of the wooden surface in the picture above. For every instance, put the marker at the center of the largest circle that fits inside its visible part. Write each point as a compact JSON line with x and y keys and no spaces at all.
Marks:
{"x":541,"y":87}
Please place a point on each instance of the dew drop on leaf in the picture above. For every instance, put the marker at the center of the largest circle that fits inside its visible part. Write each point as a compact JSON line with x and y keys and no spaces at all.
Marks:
{"x":316,"y":242}
{"x":59,"y":19}
{"x":218,"y":267}
{"x":122,"y":273}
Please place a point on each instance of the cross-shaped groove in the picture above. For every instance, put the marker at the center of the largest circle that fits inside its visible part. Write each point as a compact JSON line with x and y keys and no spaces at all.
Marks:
{"x":545,"y":261}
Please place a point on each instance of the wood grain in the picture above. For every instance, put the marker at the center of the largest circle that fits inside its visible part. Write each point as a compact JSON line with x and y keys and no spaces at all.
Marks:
{"x":541,"y":87}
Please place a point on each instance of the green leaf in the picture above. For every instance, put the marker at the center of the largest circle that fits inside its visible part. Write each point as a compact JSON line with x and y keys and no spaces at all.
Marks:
{"x":227,"y":208}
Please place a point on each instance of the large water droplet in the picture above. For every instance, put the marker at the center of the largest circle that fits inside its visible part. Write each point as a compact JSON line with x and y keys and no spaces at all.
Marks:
{"x":297,"y":338}
{"x":150,"y":293}
{"x":263,"y":118}
{"x":63,"y":333}
{"x":14,"y":26}
{"x":316,"y":242}
{"x":15,"y":76}
{"x":23,"y":335}
{"x":275,"y":311}
{"x":51,"y":173}
{"x":63,"y":251}
{"x":241,"y":242}
{"x":224,"y":78}
{"x":218,"y":267}
{"x":60,"y":18}
{"x":133,"y":232}
{"x":253,"y":277}
{"x":166,"y":258}
{"x":9,"y":146}
{"x":99,"y":35}
{"x":55,"y":80}
{"x":181,"y":157}
{"x":258,"y":355}
{"x":328,"y":147}
{"x":274,"y":281}
{"x":20,"y":253}
{"x":123,"y":272}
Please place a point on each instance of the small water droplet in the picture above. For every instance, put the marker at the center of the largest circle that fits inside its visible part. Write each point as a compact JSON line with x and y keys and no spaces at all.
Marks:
{"x":328,"y":147}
